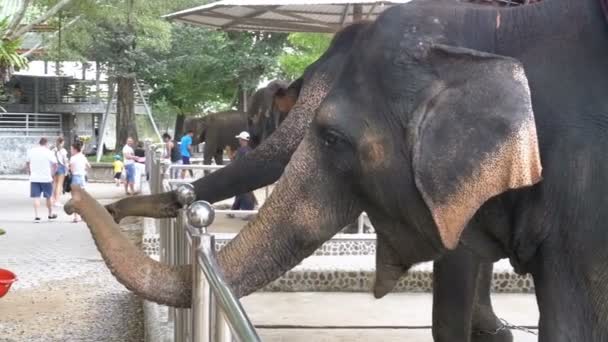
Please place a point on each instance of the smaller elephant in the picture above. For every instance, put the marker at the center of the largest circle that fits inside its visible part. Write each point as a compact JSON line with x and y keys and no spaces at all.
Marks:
{"x":216,"y":130}
{"x":268,"y":108}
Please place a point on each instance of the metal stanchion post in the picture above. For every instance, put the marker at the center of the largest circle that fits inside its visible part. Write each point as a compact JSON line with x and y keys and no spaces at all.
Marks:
{"x":222,"y":329}
{"x":360,"y":224}
{"x":185,"y":196}
{"x":200,"y":216}
{"x":169,"y":245}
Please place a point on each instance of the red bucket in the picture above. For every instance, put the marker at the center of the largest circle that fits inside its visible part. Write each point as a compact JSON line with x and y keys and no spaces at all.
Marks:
{"x":7,"y":278}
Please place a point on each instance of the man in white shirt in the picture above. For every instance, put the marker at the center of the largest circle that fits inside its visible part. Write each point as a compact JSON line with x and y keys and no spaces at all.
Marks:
{"x":128,"y":155}
{"x":41,"y":164}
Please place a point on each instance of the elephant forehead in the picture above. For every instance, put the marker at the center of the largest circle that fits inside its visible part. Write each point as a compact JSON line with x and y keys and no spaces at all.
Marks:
{"x":373,"y":151}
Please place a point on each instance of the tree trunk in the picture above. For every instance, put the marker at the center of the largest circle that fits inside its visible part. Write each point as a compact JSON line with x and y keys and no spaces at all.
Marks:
{"x":125,"y":111}
{"x":179,"y":126}
{"x":241,"y":98}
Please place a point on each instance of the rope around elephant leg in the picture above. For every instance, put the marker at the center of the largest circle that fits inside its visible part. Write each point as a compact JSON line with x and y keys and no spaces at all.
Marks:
{"x":506,"y":325}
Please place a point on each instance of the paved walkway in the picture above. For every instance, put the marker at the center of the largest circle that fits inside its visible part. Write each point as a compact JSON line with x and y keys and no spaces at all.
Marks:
{"x":64,"y":291}
{"x":348,"y":317}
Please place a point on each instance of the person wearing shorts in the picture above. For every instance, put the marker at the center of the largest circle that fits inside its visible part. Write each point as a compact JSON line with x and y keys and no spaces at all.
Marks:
{"x":78,"y":167}
{"x":61,"y":155}
{"x":186,"y":150}
{"x":41,"y":165}
{"x":128,"y":155}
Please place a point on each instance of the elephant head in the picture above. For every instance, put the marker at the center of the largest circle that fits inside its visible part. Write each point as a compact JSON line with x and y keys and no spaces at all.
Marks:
{"x":269,"y":107}
{"x":415,"y":131}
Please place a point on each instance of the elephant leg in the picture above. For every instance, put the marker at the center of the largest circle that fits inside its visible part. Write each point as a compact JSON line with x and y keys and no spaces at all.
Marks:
{"x":454,"y":287}
{"x":208,"y":155}
{"x":462,"y":308}
{"x":486,"y":326}
{"x":219,"y":158}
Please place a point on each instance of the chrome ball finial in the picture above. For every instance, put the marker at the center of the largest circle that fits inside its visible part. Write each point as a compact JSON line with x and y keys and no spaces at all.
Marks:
{"x":185,"y":194}
{"x":200,"y":214}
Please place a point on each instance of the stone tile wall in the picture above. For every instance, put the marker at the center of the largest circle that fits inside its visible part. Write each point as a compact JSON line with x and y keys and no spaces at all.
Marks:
{"x":344,"y":278}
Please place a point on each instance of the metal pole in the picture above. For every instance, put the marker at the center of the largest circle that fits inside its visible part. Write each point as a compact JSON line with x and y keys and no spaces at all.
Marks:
{"x":148,"y":111}
{"x":169,"y":246}
{"x":178,"y":330}
{"x":222,"y":329}
{"x":202,"y":311}
{"x":104,"y":122}
{"x":239,"y":321}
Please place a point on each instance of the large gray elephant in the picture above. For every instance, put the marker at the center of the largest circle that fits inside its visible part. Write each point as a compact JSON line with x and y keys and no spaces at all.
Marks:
{"x":268,"y":107}
{"x":431,"y":128}
{"x":216,"y":130}
{"x":462,"y":310}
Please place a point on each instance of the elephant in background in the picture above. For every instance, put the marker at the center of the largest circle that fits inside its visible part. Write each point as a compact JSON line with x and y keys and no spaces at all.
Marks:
{"x":268,"y":107}
{"x":216,"y":130}
{"x":462,"y":306}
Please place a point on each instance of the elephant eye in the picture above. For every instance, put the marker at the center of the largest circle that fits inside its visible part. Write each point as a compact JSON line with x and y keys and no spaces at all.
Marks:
{"x":331,"y":137}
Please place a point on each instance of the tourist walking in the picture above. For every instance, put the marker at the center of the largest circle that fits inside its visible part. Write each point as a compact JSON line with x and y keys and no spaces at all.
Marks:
{"x":246,"y":201}
{"x":78,"y":168}
{"x":118,"y":169}
{"x":172,"y":153}
{"x":128,"y":156}
{"x":140,"y":166}
{"x":186,"y":150}
{"x":41,"y":165}
{"x":61,"y":155}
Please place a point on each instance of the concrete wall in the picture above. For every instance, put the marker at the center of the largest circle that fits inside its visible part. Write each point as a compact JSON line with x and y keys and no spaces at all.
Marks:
{"x":101,"y":173}
{"x":13,"y":151}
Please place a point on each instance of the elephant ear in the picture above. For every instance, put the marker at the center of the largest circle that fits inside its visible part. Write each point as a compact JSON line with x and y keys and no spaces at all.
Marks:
{"x":286,"y":98}
{"x":476,"y":137}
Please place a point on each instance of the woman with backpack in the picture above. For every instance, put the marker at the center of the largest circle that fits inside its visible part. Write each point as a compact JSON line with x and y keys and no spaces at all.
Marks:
{"x":62,"y":170}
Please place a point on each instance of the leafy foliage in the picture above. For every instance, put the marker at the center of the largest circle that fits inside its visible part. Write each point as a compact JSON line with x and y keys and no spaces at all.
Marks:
{"x":303,"y":50}
{"x":190,"y":69}
{"x":9,"y":55}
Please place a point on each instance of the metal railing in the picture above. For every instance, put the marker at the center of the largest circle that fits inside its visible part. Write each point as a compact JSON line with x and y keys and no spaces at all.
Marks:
{"x":216,"y":313}
{"x":170,"y":183}
{"x":30,"y":123}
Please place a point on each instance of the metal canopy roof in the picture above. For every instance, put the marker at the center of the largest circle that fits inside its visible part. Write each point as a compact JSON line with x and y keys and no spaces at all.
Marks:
{"x":282,"y":16}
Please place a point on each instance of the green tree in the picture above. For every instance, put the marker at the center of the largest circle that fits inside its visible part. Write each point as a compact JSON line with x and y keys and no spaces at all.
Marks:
{"x":303,"y":50}
{"x":190,"y":69}
{"x":122,"y":36}
{"x":23,"y":17}
{"x":208,"y":70}
{"x":9,"y":54}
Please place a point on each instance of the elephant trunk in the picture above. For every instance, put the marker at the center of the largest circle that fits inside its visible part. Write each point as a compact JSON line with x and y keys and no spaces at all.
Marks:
{"x":307,"y":208}
{"x":160,"y":283}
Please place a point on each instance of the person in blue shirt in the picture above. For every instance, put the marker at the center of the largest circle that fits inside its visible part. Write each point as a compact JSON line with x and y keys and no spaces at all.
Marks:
{"x":186,"y":150}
